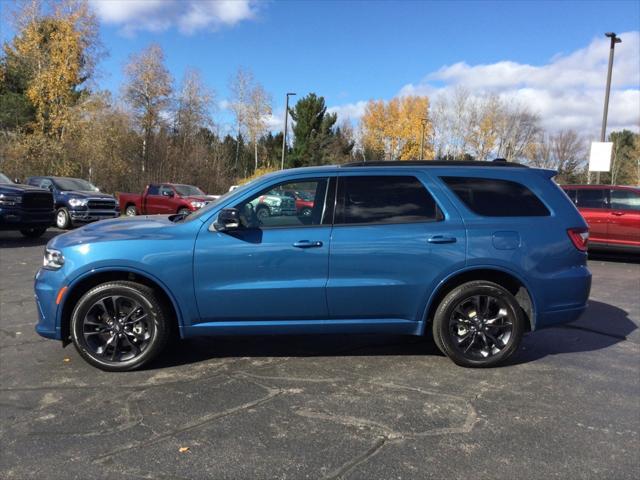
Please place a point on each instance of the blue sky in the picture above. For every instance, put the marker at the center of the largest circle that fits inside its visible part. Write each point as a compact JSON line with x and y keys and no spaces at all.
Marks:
{"x":350,"y":52}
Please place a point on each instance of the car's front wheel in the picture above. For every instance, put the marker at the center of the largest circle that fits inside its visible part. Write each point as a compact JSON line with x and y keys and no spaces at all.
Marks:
{"x":130,"y":211}
{"x":478,"y":324}
{"x":119,"y":326}
{"x":63,"y":221}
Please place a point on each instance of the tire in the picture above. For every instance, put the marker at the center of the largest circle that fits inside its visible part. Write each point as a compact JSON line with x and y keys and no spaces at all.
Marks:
{"x":139,"y":336}
{"x":184,"y":211}
{"x":33,"y":232}
{"x":478,"y":324}
{"x":262,"y":213}
{"x":130,"y":211}
{"x":306,"y":212}
{"x":63,"y":221}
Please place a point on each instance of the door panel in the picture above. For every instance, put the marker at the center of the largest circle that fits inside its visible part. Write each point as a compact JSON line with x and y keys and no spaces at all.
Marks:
{"x":386,"y":270}
{"x":624,"y":220}
{"x":274,"y":267}
{"x":260,"y":274}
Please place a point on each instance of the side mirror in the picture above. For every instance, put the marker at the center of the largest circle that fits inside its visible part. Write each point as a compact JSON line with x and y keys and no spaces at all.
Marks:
{"x":168,"y":193}
{"x":228,"y":220}
{"x":16,"y":180}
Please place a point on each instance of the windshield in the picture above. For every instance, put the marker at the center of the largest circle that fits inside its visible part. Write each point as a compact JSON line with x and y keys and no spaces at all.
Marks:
{"x":4,"y":178}
{"x":66,"y":184}
{"x":188,"y":190}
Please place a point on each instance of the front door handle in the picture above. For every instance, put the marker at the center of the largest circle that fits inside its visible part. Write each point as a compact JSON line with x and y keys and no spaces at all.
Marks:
{"x":441,"y":239}
{"x":308,"y":244}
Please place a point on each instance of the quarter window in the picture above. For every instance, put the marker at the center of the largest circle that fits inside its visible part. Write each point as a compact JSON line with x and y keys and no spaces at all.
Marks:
{"x":384,"y":200}
{"x":625,"y":200}
{"x":292,"y":204}
{"x":492,"y":197}
{"x":592,"y":198}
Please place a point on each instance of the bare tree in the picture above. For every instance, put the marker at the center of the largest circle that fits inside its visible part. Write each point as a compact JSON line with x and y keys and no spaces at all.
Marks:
{"x":240,"y":86}
{"x":258,"y":109}
{"x":148,"y":90}
{"x":518,"y":127}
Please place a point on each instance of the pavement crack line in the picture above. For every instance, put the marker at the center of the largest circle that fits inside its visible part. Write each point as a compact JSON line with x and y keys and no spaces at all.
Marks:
{"x":353,"y":463}
{"x":192,"y":426}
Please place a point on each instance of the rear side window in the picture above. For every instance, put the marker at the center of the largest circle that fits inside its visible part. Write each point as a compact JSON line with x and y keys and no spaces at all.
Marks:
{"x":571,"y":193}
{"x":625,"y":200}
{"x":153,"y":190}
{"x":384,"y":200}
{"x":592,"y":198}
{"x":492,"y":197}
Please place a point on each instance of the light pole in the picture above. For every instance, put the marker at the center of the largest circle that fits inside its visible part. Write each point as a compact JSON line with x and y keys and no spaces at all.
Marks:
{"x":284,"y":137}
{"x":423,"y":122}
{"x":614,"y":39}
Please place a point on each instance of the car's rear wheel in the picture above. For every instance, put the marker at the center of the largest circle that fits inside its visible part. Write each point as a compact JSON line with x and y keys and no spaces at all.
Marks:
{"x":306,"y":212}
{"x":478,"y":324}
{"x":119,"y":326}
{"x":33,"y":232}
{"x":130,"y":211}
{"x":63,"y":220}
{"x":184,"y":211}
{"x":262,"y":213}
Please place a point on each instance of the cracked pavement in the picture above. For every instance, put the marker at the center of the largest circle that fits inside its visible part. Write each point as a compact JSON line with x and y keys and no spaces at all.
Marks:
{"x":324,"y":407}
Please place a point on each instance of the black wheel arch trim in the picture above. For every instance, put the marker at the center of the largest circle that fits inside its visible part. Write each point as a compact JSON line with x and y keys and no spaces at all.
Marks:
{"x":524,"y":295}
{"x":89,"y":279}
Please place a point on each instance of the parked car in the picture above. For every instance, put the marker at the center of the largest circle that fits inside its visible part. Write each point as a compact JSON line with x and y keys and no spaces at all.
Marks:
{"x":164,"y":198}
{"x":477,"y":252}
{"x":25,"y":208}
{"x":613,"y":215}
{"x":77,"y":201}
{"x":274,"y":203}
{"x":303,"y":201}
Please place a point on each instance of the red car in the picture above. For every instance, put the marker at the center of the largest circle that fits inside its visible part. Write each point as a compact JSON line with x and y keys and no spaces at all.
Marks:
{"x":164,"y":198}
{"x":304,"y":201}
{"x":612,"y":212}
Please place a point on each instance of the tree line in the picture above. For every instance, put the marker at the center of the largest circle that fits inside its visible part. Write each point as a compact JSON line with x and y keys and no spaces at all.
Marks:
{"x":54,"y":121}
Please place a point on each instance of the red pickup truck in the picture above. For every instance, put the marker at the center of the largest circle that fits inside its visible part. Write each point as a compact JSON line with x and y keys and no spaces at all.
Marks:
{"x":164,"y":198}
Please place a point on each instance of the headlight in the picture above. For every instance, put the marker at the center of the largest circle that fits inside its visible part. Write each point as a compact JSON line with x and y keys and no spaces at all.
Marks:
{"x":78,"y":202}
{"x":53,"y":259}
{"x":198,"y":204}
{"x":10,"y":200}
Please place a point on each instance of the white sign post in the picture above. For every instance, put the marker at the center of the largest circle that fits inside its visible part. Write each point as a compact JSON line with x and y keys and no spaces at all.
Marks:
{"x":600,"y":158}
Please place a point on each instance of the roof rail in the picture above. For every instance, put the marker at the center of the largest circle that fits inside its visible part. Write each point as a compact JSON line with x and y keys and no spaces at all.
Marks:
{"x":498,"y":162}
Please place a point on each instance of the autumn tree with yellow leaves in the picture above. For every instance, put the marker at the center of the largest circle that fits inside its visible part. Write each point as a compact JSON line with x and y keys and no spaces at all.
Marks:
{"x":393,"y":130}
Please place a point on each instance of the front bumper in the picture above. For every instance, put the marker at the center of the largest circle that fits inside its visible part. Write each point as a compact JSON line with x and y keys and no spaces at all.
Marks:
{"x":87,"y":216}
{"x":16,"y":218}
{"x":47,"y":285}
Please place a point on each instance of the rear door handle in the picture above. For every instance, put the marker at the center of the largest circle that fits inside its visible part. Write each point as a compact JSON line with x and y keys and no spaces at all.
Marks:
{"x":617,"y":214}
{"x":441,"y":239}
{"x":308,"y":244}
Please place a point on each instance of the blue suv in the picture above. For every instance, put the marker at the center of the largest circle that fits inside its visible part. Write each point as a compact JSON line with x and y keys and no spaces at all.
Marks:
{"x":477,"y":252}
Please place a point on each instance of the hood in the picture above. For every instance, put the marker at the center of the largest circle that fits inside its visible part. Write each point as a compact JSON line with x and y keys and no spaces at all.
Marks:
{"x":87,"y":194}
{"x":152,"y":227}
{"x":14,"y":188}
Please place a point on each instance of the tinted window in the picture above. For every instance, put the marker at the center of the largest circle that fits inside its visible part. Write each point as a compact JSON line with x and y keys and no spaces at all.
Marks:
{"x":492,"y":197}
{"x":625,"y":200}
{"x":279,"y":207}
{"x":166,"y":190}
{"x":153,"y":190}
{"x":591,"y":198}
{"x":384,"y":199}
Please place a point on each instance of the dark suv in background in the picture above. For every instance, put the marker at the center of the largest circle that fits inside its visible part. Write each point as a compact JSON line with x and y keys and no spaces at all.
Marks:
{"x":25,"y":208}
{"x":77,"y":201}
{"x":613,"y":215}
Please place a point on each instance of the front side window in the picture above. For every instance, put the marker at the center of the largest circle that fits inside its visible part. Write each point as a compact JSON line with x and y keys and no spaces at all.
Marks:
{"x":493,"y":197}
{"x":279,"y":207}
{"x":592,"y":198}
{"x":384,"y":200}
{"x":625,"y":200}
{"x":166,"y":191}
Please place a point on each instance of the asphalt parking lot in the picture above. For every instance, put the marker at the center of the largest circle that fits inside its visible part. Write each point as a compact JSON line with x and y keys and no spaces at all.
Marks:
{"x":360,"y":407}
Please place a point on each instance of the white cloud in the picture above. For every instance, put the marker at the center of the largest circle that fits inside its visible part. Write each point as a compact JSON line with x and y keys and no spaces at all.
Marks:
{"x":189,"y":16}
{"x":349,"y":111}
{"x":567,"y":92}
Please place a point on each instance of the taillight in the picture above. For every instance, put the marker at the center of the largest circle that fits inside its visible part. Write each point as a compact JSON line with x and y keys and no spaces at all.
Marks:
{"x":579,"y":237}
